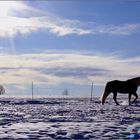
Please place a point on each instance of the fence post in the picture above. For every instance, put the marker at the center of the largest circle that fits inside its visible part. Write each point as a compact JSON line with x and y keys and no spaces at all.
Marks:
{"x":32,"y":90}
{"x":91,"y":91}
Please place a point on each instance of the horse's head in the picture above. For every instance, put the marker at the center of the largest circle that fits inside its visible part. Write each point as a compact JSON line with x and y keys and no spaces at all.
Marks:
{"x":103,"y":97}
{"x":106,"y":93}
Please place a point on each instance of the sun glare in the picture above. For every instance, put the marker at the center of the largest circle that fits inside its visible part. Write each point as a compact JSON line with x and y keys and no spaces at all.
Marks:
{"x":7,"y":11}
{"x":7,"y":7}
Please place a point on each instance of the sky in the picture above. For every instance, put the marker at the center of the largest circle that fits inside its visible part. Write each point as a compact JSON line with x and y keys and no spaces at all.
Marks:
{"x":67,"y":44}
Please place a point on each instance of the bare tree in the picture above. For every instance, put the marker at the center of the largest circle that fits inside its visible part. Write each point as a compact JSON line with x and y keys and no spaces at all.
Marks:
{"x":2,"y":90}
{"x":65,"y":92}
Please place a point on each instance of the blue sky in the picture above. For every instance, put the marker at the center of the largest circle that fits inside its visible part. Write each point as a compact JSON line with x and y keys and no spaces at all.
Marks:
{"x":68,"y":44}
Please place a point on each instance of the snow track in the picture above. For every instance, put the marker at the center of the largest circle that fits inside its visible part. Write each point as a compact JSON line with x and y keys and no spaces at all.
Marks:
{"x":66,"y":119}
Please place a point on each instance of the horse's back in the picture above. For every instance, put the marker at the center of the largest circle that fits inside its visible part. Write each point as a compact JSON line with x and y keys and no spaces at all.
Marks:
{"x":121,"y":86}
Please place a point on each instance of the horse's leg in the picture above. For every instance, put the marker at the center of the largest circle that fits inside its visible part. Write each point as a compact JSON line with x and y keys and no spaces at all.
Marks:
{"x":115,"y":98}
{"x":135,"y":94}
{"x":129,"y":98}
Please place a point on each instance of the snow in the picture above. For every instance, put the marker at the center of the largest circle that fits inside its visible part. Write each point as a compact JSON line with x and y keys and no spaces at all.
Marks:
{"x":67,"y":119}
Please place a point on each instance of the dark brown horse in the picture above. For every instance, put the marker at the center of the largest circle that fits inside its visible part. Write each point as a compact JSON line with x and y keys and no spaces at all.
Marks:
{"x":126,"y":87}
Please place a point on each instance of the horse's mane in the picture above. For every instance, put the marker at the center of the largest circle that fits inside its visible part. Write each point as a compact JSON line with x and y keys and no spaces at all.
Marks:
{"x":134,"y":79}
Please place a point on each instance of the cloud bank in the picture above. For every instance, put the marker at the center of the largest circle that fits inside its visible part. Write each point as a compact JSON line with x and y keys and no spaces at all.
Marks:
{"x":15,"y":21}
{"x":57,"y":68}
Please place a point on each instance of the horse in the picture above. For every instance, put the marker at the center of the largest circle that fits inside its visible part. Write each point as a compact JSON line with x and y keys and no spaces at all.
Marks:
{"x":129,"y":87}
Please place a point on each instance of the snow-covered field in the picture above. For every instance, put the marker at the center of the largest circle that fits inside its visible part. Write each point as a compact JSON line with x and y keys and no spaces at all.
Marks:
{"x":55,"y":118}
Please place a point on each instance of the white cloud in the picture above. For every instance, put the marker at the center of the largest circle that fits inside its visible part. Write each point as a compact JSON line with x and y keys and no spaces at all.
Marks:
{"x":69,"y":67}
{"x":19,"y":18}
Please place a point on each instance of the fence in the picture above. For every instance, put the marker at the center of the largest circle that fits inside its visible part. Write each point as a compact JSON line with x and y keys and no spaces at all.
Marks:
{"x":34,"y":90}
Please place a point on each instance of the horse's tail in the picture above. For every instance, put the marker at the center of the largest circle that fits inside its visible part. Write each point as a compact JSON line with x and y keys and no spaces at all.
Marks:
{"x":106,"y":93}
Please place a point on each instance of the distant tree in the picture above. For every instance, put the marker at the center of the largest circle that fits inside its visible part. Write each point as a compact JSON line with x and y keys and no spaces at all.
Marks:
{"x":2,"y":90}
{"x":65,"y":92}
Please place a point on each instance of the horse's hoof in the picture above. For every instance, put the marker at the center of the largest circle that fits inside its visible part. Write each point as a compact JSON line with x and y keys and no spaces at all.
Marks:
{"x":134,"y":102}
